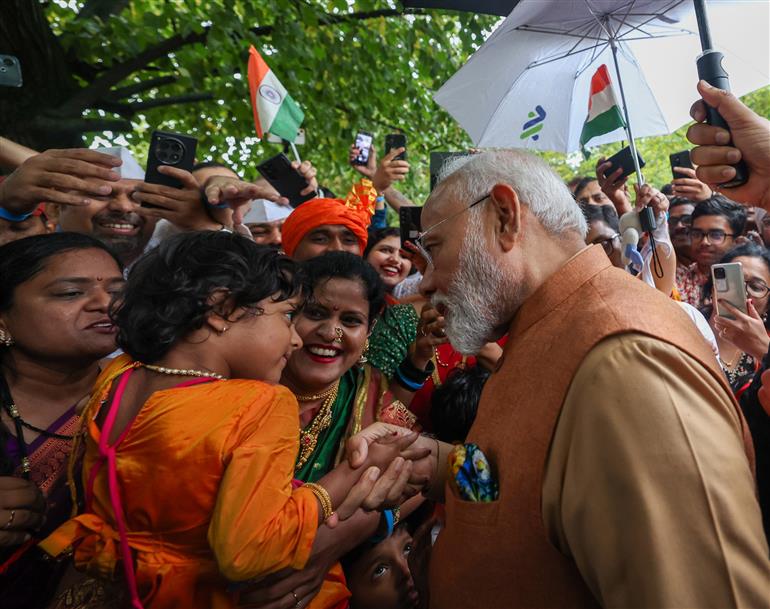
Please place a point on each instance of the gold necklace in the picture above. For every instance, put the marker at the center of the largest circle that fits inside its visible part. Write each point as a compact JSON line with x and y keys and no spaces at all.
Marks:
{"x":308,"y":438}
{"x":186,"y":372}
{"x":318,"y":396}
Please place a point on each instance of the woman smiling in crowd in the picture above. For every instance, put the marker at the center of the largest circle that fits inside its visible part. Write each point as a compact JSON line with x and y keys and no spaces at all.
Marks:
{"x":55,"y":291}
{"x":383,"y":252}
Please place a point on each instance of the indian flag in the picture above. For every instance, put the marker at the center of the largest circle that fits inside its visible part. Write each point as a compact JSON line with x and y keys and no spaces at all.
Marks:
{"x":274,"y":109}
{"x":604,"y":115}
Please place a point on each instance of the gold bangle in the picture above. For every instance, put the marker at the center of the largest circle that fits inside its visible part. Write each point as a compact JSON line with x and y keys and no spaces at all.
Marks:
{"x":323,"y":498}
{"x":396,"y":515}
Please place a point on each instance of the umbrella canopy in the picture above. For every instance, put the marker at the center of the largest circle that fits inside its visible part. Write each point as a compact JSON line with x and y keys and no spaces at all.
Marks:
{"x":535,"y":69}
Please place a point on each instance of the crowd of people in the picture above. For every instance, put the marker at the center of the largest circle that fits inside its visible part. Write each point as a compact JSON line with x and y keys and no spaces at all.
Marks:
{"x":213,"y":399}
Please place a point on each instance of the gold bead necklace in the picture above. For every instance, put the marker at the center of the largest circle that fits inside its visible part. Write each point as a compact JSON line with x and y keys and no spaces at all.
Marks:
{"x":185,"y":372}
{"x":308,"y":438}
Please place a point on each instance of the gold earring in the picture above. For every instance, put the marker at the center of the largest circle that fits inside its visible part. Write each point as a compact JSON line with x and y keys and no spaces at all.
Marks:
{"x":5,"y":338}
{"x":363,"y":359}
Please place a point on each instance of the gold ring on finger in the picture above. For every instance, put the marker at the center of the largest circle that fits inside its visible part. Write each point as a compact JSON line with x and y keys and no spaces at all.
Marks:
{"x":10,"y":520}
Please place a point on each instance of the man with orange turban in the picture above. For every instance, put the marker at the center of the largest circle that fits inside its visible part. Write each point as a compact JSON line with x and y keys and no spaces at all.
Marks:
{"x":327,"y":225}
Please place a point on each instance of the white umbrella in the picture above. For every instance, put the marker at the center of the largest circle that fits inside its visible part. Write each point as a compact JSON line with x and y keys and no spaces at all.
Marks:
{"x":527,"y":86}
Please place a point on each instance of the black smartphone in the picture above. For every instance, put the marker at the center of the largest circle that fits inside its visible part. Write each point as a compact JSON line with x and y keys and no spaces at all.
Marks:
{"x":680,"y":159}
{"x":364,"y":141}
{"x":285,"y":179}
{"x":172,"y":149}
{"x":396,"y":140}
{"x":624,"y":160}
{"x":438,"y":160}
{"x":410,"y":226}
{"x":10,"y":71}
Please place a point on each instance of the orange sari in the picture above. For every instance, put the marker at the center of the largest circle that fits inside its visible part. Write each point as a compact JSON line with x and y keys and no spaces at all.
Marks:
{"x":204,"y":480}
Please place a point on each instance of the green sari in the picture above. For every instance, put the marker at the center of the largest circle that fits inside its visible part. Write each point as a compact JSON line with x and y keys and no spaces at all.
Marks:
{"x":323,"y":458}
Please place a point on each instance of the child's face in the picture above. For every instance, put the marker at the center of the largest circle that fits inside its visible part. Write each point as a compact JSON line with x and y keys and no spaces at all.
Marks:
{"x":381,"y":578}
{"x":261,"y":343}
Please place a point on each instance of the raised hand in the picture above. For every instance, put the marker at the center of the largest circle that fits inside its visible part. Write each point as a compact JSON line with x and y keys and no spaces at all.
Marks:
{"x":613,"y":185}
{"x":371,"y":163}
{"x":44,"y":178}
{"x":183,"y":207}
{"x":690,"y":187}
{"x":747,"y":332}
{"x":431,"y":332}
{"x":390,"y":170}
{"x":750,"y":135}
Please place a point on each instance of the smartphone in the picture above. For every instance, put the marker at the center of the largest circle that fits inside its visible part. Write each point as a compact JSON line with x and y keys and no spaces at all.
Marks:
{"x":680,"y":159}
{"x":172,"y":149}
{"x":624,"y":160}
{"x":729,"y":286}
{"x":364,"y":141}
{"x":10,"y":71}
{"x":396,"y":140}
{"x":285,"y":179}
{"x":438,"y":160}
{"x":410,"y":226}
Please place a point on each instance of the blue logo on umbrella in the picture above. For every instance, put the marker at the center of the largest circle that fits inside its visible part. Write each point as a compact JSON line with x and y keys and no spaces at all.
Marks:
{"x":532,"y":127}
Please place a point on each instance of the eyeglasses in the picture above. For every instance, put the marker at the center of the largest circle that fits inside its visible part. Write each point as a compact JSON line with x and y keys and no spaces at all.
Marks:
{"x":756,"y":288}
{"x":715,"y":236}
{"x":419,"y":241}
{"x":684,"y":220}
{"x":609,"y":244}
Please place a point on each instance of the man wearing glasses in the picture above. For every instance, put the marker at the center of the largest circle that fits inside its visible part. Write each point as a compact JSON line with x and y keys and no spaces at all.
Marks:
{"x":715,"y":224}
{"x":623,"y":466}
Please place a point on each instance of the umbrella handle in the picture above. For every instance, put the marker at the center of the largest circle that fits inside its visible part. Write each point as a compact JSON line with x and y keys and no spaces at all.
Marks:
{"x":711,"y":70}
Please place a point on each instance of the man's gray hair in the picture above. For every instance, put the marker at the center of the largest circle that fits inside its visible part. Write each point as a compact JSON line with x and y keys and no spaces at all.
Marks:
{"x":537,"y":185}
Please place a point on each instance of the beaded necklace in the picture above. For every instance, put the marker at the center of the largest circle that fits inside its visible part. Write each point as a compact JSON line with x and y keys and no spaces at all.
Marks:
{"x":308,"y":437}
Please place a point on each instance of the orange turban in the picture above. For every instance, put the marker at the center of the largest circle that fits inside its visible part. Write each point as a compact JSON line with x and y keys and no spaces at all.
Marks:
{"x":354,"y":213}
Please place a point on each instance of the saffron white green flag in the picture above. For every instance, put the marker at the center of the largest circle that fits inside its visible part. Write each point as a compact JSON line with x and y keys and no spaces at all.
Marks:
{"x":604,"y":115}
{"x":274,"y":109}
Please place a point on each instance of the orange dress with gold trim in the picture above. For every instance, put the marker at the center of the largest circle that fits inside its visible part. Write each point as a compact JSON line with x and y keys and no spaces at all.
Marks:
{"x":204,"y":477}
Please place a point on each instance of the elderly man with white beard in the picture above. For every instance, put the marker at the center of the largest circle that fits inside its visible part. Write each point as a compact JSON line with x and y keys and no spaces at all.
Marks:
{"x":624,"y":465}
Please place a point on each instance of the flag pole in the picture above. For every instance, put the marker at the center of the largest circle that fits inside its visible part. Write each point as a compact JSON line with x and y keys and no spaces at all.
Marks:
{"x":631,"y":142}
{"x":294,"y":150}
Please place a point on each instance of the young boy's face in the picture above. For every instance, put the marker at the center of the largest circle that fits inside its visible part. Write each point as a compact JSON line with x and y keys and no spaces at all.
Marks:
{"x":381,"y":578}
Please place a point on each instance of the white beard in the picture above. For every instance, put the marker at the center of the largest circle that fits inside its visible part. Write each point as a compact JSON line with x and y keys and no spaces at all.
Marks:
{"x":478,"y":294}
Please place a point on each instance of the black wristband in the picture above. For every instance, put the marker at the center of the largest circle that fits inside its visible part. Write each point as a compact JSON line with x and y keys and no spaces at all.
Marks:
{"x":412,"y":373}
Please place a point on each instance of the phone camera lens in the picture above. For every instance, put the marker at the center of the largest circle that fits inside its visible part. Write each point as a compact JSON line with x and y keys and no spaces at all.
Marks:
{"x":719,"y":273}
{"x":164,"y":145}
{"x":8,"y":61}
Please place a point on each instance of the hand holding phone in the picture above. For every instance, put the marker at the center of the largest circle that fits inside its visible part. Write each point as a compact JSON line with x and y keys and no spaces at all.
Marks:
{"x":395,"y":140}
{"x":682,"y":160}
{"x":171,"y":149}
{"x":729,"y":286}
{"x":363,"y":143}
{"x":625,"y":161}
{"x":285,"y":179}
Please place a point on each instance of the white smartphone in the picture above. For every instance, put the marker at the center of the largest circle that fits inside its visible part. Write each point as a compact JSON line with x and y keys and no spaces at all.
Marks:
{"x":729,"y":286}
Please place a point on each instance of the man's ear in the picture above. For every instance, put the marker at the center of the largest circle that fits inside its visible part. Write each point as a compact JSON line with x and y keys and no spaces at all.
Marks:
{"x":507,"y":209}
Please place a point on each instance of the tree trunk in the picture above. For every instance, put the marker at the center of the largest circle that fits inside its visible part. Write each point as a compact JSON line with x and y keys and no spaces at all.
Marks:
{"x":26,"y":113}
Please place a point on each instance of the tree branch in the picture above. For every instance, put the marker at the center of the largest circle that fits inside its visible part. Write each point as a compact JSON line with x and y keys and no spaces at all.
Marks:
{"x":140,"y":87}
{"x":80,"y":125}
{"x":128,"y":110}
{"x":100,"y":87}
{"x":101,"y":8}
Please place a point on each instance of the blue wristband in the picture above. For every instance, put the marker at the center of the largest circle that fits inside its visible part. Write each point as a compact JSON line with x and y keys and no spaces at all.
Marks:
{"x":6,"y":215}
{"x":407,"y":383}
{"x":389,"y":523}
